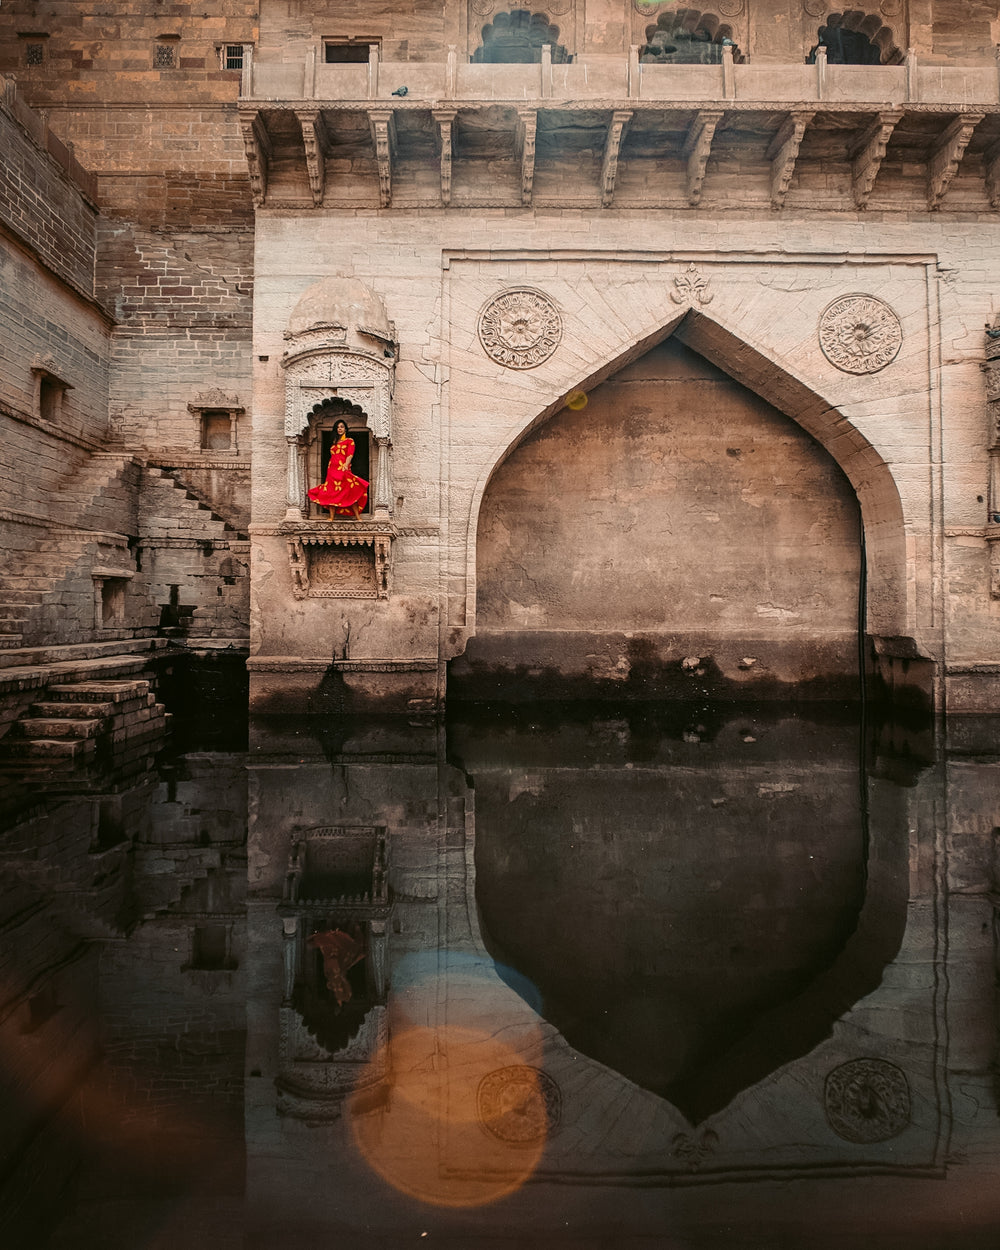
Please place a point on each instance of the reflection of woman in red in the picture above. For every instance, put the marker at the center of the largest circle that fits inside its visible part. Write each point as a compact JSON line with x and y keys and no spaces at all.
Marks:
{"x":342,"y":492}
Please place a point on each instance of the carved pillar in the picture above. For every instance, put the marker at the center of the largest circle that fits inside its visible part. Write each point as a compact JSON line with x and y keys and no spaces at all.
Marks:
{"x":383,"y":481}
{"x":378,"y":950}
{"x":296,"y":484}
{"x":290,"y":956}
{"x":992,"y":369}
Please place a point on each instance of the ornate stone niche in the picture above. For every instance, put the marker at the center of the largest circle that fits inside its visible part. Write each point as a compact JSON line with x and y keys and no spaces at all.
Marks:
{"x":340,"y":362}
{"x":336,"y":881}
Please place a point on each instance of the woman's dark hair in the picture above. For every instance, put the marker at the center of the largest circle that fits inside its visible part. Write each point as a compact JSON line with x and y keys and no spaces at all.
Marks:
{"x":340,"y":421}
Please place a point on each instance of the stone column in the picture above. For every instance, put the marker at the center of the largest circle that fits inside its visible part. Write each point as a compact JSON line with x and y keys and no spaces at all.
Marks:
{"x":296,"y":483}
{"x":290,"y":951}
{"x":383,"y":480}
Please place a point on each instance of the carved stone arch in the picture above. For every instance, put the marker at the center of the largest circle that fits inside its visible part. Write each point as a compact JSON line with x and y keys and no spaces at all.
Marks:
{"x":517,"y":36}
{"x":856,"y":37}
{"x":888,"y":612}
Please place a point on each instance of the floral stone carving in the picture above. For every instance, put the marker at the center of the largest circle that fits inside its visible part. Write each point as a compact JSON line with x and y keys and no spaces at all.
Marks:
{"x":519,"y":1105}
{"x":520,"y":329}
{"x":867,"y":1100}
{"x":860,"y":334}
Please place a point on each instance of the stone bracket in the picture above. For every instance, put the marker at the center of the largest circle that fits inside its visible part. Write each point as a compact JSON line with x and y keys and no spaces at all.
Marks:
{"x":946,"y":156}
{"x":527,"y":129}
{"x":445,"y":119}
{"x":868,"y":153}
{"x":697,"y":148}
{"x":258,"y":150}
{"x":383,"y":126}
{"x":783,"y":152}
{"x":620,"y":119}
{"x":317,"y":145}
{"x":304,"y":541}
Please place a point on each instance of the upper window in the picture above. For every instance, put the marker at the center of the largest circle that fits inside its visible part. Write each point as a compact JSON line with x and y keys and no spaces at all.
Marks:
{"x":348,"y":51}
{"x":163,"y":56}
{"x":231,"y":56}
{"x":34,"y":53}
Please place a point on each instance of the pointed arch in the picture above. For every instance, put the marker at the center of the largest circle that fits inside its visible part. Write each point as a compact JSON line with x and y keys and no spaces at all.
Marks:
{"x":779,"y":384}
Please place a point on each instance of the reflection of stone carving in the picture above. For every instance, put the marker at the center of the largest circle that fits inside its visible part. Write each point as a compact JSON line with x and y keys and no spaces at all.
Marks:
{"x":520,"y":329}
{"x":867,"y":1100}
{"x":693,"y":1151}
{"x":519,"y":1105}
{"x":860,"y":334}
{"x":691,"y":287}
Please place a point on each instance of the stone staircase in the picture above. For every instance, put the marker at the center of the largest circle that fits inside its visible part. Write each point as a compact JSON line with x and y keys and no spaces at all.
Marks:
{"x":168,"y":508}
{"x":74,"y":720}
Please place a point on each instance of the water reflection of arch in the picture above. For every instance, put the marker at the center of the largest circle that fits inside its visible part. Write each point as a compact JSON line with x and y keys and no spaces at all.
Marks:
{"x":557,"y":799}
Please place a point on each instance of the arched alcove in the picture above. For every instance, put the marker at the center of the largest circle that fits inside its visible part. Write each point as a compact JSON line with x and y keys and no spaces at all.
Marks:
{"x":516,"y":37}
{"x":682,"y":536}
{"x":688,"y":37}
{"x":857,"y":38}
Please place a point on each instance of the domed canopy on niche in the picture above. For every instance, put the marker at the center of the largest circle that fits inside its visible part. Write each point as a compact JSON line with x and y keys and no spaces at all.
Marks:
{"x":342,"y":304}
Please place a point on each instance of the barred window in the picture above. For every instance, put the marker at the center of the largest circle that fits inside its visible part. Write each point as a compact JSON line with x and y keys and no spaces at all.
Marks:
{"x":34,"y":54}
{"x":163,"y":57}
{"x":232,"y":56}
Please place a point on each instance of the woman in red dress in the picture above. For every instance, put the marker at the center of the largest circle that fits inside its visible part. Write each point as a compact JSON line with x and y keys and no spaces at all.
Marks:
{"x":342,"y":492}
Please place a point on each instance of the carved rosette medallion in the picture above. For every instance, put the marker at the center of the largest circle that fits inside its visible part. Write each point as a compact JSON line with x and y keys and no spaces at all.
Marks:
{"x":520,"y":329}
{"x":867,"y":1100}
{"x":519,"y":1105}
{"x":891,"y":8}
{"x":647,"y":8}
{"x":731,"y":8}
{"x":557,"y":8}
{"x":815,"y":8}
{"x":482,"y":7}
{"x":860,"y":334}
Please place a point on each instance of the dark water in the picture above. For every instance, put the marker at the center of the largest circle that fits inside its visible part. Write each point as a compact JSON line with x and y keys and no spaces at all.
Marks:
{"x":654,"y":978}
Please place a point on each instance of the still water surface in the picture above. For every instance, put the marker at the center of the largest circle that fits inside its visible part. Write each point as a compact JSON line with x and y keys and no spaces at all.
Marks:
{"x":654,"y":978}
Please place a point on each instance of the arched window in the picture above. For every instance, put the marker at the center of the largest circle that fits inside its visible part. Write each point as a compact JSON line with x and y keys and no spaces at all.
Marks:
{"x":857,"y":38}
{"x":516,"y":38}
{"x":687,"y":37}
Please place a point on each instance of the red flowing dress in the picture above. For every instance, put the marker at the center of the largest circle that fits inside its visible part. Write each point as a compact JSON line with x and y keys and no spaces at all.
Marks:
{"x":342,"y":490}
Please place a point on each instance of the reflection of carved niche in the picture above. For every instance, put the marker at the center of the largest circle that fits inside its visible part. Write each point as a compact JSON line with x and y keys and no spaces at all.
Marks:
{"x":337,"y":879}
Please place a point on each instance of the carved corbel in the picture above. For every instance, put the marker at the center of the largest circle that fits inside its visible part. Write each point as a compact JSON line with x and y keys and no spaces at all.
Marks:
{"x":445,"y":119}
{"x":868,"y":153}
{"x":299,"y":566}
{"x":258,"y":150}
{"x":783,"y":152}
{"x":317,"y":144}
{"x":383,"y":125}
{"x":697,"y":148}
{"x":527,"y":129}
{"x":620,"y":119}
{"x":383,"y":552}
{"x":946,"y":156}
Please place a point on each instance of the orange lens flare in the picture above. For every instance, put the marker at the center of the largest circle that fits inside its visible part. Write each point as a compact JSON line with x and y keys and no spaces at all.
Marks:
{"x":465,"y":1122}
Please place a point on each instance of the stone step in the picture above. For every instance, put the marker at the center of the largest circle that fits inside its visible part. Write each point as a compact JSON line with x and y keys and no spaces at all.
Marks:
{"x":44,"y":727}
{"x":44,"y":748}
{"x":25,"y":599}
{"x":80,"y":710}
{"x":104,"y":691}
{"x":29,"y":657}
